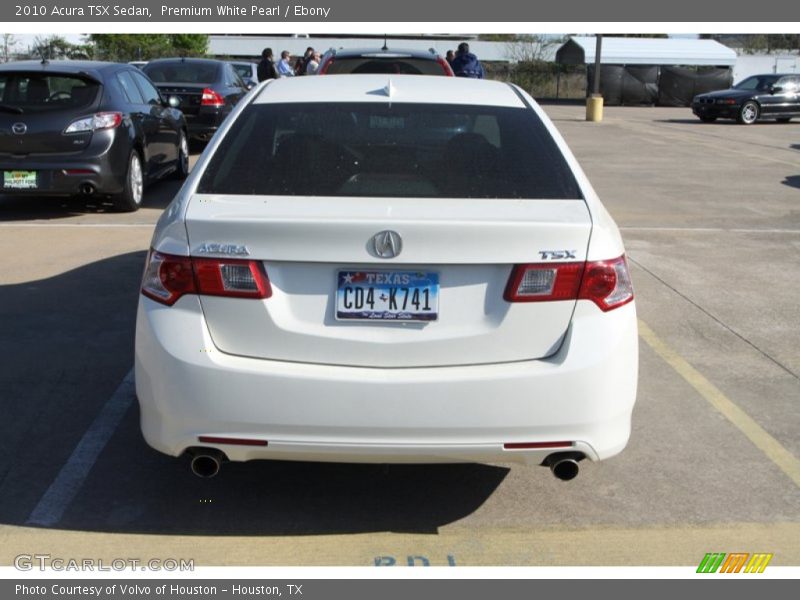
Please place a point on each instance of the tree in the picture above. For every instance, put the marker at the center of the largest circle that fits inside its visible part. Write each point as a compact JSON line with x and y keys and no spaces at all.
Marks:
{"x":531,"y":48}
{"x":9,"y":42}
{"x":637,"y":35}
{"x":55,"y":47}
{"x":143,"y":46}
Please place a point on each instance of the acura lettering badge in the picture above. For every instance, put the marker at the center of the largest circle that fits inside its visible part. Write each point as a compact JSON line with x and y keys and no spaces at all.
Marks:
{"x":19,"y":128}
{"x":387,"y":244}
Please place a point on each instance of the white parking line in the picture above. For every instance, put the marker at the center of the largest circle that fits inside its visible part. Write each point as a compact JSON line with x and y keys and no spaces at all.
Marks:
{"x":710,"y":229}
{"x":67,"y":484}
{"x":44,"y":224}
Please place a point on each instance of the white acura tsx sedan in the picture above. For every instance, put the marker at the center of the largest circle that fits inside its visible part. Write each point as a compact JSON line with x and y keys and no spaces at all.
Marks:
{"x":374,"y":268}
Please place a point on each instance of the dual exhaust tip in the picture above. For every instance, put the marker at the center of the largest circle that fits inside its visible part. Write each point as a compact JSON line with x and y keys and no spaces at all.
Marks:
{"x":86,"y":189}
{"x":206,"y":463}
{"x":564,"y":465}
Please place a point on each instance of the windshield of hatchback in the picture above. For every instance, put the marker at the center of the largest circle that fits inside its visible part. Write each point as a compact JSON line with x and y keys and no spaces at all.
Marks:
{"x":759,"y":83}
{"x":397,"y":150}
{"x":22,"y":92}
{"x":182,"y":72}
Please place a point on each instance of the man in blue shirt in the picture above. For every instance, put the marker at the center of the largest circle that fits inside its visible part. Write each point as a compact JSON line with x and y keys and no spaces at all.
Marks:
{"x":284,"y":67}
{"x":466,"y":64}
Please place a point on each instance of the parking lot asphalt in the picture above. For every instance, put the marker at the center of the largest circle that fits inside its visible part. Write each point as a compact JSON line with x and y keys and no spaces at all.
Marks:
{"x":710,"y":214}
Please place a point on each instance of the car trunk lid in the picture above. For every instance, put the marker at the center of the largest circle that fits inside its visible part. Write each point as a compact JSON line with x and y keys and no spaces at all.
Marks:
{"x":305,"y":242}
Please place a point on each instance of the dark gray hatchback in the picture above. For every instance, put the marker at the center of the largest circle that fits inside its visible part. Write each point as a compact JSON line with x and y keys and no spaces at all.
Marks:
{"x":86,"y":128}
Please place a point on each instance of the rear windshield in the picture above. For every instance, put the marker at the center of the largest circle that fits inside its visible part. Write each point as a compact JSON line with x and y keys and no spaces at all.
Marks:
{"x":405,"y":66}
{"x":398,"y":150}
{"x":182,"y":72}
{"x":37,"y":92}
{"x":243,"y":70}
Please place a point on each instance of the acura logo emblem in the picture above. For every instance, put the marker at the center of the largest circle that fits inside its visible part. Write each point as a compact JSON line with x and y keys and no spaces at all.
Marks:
{"x":387,"y":244}
{"x":19,"y":128}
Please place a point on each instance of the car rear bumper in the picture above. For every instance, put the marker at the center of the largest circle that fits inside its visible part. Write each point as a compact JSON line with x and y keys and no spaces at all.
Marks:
{"x":203,"y":125}
{"x":583,"y":394}
{"x":66,"y":175}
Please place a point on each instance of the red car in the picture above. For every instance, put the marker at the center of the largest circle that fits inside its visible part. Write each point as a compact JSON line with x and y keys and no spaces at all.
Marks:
{"x":383,"y":60}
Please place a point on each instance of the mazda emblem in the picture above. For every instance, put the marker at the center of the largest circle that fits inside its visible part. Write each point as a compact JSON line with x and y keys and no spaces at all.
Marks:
{"x":19,"y":128}
{"x":387,"y":244}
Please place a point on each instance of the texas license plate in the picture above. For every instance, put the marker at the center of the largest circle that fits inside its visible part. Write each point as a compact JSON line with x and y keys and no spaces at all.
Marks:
{"x":387,"y":295}
{"x":19,"y":180}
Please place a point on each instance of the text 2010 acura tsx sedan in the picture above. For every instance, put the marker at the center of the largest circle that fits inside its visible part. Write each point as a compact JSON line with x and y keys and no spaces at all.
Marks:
{"x":373,"y":269}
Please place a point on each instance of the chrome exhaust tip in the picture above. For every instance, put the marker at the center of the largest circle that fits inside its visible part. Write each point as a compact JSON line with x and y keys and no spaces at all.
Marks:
{"x":565,"y":469}
{"x":206,"y":465}
{"x":86,"y":189}
{"x":564,"y":465}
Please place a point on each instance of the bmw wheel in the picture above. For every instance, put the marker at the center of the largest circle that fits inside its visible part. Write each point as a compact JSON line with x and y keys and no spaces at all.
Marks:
{"x":130,"y":199}
{"x":748,"y":114}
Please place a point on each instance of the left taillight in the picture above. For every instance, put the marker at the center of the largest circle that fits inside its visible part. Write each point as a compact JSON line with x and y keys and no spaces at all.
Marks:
{"x":95,"y":122}
{"x":167,"y":278}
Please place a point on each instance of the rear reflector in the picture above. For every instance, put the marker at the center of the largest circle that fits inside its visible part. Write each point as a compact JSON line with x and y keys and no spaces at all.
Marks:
{"x":607,"y":283}
{"x":536,"y":445}
{"x":232,"y":441}
{"x":78,"y":172}
{"x":167,"y":278}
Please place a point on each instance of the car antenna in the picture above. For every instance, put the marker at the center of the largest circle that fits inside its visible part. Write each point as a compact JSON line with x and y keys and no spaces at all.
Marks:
{"x":385,"y":45}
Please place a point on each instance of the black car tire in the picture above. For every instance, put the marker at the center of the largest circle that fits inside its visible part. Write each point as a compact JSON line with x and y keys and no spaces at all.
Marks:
{"x":748,"y":113}
{"x":182,"y":164}
{"x":130,"y":199}
{"x":783,"y":119}
{"x":708,"y":119}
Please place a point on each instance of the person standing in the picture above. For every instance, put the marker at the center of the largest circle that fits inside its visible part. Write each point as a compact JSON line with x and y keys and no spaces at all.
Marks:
{"x":301,"y":64}
{"x":466,"y":64}
{"x":266,"y":68}
{"x":449,"y":57}
{"x":284,"y":65}
{"x":313,"y":64}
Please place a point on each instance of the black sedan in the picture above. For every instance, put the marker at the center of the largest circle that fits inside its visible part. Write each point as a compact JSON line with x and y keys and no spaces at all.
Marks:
{"x":771,"y":96}
{"x":207,"y":90}
{"x":88,"y":128}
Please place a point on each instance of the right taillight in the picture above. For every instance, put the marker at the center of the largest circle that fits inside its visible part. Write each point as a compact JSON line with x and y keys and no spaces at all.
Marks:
{"x":448,"y":70}
{"x":605,"y":282}
{"x":167,"y":278}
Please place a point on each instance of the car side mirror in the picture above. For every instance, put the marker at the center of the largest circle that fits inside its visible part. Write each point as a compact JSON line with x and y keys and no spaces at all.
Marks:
{"x":174,"y":101}
{"x":774,"y":89}
{"x":249,"y":84}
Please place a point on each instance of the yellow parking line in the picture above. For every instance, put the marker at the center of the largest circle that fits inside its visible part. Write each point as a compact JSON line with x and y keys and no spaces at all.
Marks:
{"x":463,"y":545}
{"x":784,"y":459}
